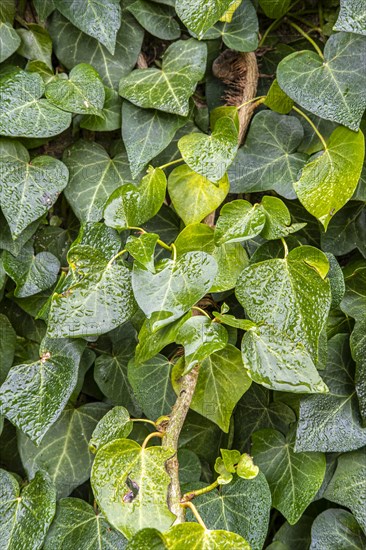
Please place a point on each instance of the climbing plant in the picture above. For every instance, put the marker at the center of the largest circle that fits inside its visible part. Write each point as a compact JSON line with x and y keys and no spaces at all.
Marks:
{"x":182,"y":274}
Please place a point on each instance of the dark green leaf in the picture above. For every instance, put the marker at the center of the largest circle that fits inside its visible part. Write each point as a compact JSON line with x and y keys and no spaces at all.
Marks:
{"x":35,"y":44}
{"x":294,"y":478}
{"x":156,"y":19}
{"x":9,"y":40}
{"x":336,"y":529}
{"x":109,"y":118}
{"x":7,"y":346}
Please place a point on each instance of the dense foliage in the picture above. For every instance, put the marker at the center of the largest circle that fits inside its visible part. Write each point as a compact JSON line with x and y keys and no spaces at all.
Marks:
{"x":182,"y":274}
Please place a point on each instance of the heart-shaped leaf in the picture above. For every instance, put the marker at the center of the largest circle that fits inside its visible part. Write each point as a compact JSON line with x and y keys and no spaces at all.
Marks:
{"x":77,"y":524}
{"x":333,"y":87}
{"x":27,"y":514}
{"x":239,"y":221}
{"x":36,"y":44}
{"x":130,"y":484}
{"x":116,"y":424}
{"x":269,"y":159}
{"x":131,"y":205}
{"x":175,"y":287}
{"x":23,"y":112}
{"x":276,"y":361}
{"x":332,"y":423}
{"x":294,"y":478}
{"x":28,"y":189}
{"x":328,"y":181}
{"x":97,"y":295}
{"x":31,"y":273}
{"x":222,"y":380}
{"x":33,"y":395}
{"x":288,"y":304}
{"x":83,"y":92}
{"x":143,"y":248}
{"x":231,"y":258}
{"x":194,"y":196}
{"x":278,"y":219}
{"x":64,"y":452}
{"x":146,"y":133}
{"x":199,"y":17}
{"x":169,"y":88}
{"x":94,"y":175}
{"x":150,"y":381}
{"x":241,"y":32}
{"x":101,"y":21}
{"x":158,"y":20}
{"x":200,"y":337}
{"x":211,"y":155}
{"x":72,"y":46}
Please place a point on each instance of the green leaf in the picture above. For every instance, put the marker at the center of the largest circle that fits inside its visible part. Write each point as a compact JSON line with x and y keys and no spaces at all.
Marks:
{"x":331,"y":88}
{"x":35,"y":44}
{"x":231,"y":258}
{"x":345,"y":231}
{"x":201,"y":436}
{"x":257,"y":410}
{"x":31,"y":273}
{"x":354,"y":300}
{"x":9,"y":40}
{"x":109,"y":118}
{"x":7,"y":346}
{"x":190,"y":469}
{"x":348,"y":485}
{"x":83,"y":92}
{"x":131,"y":205}
{"x":294,"y":478}
{"x":239,"y":221}
{"x":152,"y":341}
{"x":358,"y":349}
{"x":151,"y":384}
{"x":146,"y":133}
{"x":194,"y":196}
{"x":28,"y":188}
{"x":332,"y":423}
{"x":73,"y":47}
{"x":242,"y":506}
{"x":297,"y":284}
{"x":210,"y":156}
{"x":198,"y":17}
{"x":77,"y":525}
{"x":34,"y":395}
{"x":27,"y":514}
{"x":200,"y":337}
{"x":276,"y":361}
{"x":231,"y":321}
{"x":269,"y":159}
{"x":23,"y":112}
{"x":169,"y":88}
{"x":147,"y":538}
{"x":336,"y":528}
{"x":7,"y":11}
{"x":295,"y":536}
{"x":352,"y":17}
{"x":328,"y":181}
{"x":156,"y":19}
{"x":101,"y":21}
{"x":130,"y":484}
{"x":44,"y":8}
{"x":175,"y":287}
{"x":275,"y":8}
{"x":222,"y":380}
{"x":94,"y":175}
{"x":277,"y":100}
{"x":277,"y":219}
{"x":143,"y":248}
{"x":63,"y":452}
{"x":116,"y":424}
{"x":110,"y":370}
{"x":241,"y":33}
{"x":192,"y":535}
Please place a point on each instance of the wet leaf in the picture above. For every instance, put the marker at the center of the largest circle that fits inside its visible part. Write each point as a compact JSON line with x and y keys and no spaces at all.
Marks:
{"x":116,"y":424}
{"x":200,"y":17}
{"x":294,"y":478}
{"x":9,"y":40}
{"x":352,"y":17}
{"x":331,"y":88}
{"x":122,"y":460}
{"x":158,"y":20}
{"x":336,"y":528}
{"x":191,"y":535}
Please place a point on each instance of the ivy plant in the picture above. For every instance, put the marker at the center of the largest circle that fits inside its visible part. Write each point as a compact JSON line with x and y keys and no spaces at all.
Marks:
{"x":182,"y":274}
